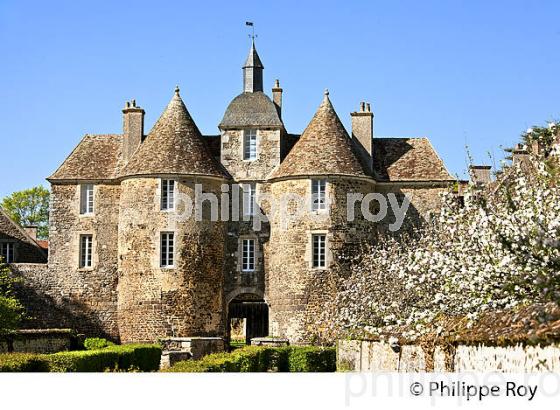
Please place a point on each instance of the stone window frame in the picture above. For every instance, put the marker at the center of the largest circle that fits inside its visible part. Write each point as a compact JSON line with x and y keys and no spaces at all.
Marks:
{"x":243,"y":142}
{"x":160,"y":194}
{"x":80,"y":235}
{"x":14,"y":249}
{"x":160,"y":248}
{"x":326,"y":209}
{"x":309,"y":253}
{"x":258,"y":254}
{"x":81,"y":205}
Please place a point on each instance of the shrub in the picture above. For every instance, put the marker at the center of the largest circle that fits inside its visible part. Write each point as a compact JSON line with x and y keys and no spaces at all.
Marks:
{"x":23,"y":362}
{"x":312,"y":359}
{"x":93,"y":343}
{"x":125,"y":357}
{"x":264,"y":359}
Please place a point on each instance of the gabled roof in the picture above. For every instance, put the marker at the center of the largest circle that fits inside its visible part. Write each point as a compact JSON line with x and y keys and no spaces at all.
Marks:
{"x":324,"y":148}
{"x":174,"y":146}
{"x":28,"y":250}
{"x":407,"y":159}
{"x":254,"y":109}
{"x":97,"y":157}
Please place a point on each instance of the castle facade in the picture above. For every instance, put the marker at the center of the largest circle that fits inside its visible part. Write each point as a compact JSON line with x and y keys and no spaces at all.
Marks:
{"x":121,"y":265}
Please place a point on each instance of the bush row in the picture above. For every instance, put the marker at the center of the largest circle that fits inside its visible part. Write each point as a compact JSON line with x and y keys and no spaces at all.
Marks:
{"x":264,"y":359}
{"x":139,"y":357}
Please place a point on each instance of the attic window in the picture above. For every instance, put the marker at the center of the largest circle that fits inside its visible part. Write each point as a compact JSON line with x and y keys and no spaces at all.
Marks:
{"x":86,"y":199}
{"x":7,"y":252}
{"x":250,"y":144}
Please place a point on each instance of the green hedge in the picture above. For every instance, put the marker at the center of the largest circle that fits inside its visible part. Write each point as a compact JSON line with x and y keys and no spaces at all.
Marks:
{"x":23,"y":362}
{"x":144,"y":358}
{"x":264,"y":359}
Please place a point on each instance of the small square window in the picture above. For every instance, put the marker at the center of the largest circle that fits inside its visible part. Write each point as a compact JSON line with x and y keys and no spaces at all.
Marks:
{"x":167,"y":194}
{"x":250,"y":144}
{"x":86,"y":199}
{"x":319,"y":242}
{"x":167,"y":246}
{"x":248,"y":255}
{"x":86,"y":248}
{"x":7,"y":252}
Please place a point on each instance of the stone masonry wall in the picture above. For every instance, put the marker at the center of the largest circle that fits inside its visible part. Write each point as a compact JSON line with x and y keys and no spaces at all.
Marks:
{"x":62,"y":294}
{"x":156,"y":302}
{"x":372,"y":356}
{"x":268,"y":155}
{"x":294,"y":289}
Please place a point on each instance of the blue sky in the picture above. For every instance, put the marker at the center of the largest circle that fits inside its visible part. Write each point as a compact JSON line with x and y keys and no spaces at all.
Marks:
{"x":473,"y":73}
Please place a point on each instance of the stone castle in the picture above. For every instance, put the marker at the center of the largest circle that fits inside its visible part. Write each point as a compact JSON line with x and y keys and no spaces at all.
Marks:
{"x":118,"y":268}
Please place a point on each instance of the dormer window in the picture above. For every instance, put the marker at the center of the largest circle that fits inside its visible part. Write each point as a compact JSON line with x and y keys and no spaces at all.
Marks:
{"x":250,"y":144}
{"x":86,"y":199}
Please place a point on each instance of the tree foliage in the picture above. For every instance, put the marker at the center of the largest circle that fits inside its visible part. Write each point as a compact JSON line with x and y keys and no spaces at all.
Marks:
{"x":29,"y":207}
{"x":11,"y":311}
{"x":498,"y":250}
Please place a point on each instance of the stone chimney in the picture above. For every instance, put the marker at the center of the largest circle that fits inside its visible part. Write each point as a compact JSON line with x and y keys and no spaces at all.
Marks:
{"x":362,"y":132}
{"x":519,"y":154}
{"x":133,"y":128}
{"x":31,"y":231}
{"x":277,"y":97}
{"x":480,"y":174}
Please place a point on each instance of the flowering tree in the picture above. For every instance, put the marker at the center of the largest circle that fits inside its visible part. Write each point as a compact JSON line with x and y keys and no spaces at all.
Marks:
{"x":497,"y":250}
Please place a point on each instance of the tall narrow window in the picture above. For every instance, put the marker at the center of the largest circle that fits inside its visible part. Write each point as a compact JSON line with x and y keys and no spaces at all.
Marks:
{"x":249,"y":199}
{"x":318,"y":194}
{"x":248,"y":262}
{"x":7,"y":251}
{"x":167,"y":249}
{"x":167,"y":194}
{"x":86,"y":199}
{"x":86,"y":248}
{"x":250,"y":144}
{"x":319,"y":250}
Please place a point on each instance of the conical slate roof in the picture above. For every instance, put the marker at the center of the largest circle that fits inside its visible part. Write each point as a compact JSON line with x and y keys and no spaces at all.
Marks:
{"x":324,"y":148}
{"x":253,"y":59}
{"x":174,"y":146}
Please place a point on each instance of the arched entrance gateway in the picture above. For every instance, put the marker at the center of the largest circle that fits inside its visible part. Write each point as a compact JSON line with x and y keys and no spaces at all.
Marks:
{"x":247,"y":317}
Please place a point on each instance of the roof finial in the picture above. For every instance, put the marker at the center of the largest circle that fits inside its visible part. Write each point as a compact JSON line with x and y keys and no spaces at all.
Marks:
{"x":177,"y":90}
{"x":326,"y":93}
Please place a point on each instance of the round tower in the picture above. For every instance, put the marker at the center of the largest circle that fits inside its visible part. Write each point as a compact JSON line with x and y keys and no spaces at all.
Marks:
{"x":321,"y":169}
{"x":171,"y":252}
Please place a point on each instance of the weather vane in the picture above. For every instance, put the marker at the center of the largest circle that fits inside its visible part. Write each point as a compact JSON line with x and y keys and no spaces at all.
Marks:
{"x":250,"y":24}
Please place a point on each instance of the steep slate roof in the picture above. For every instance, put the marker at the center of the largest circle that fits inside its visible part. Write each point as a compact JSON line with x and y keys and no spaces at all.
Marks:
{"x":95,"y":157}
{"x":174,"y":146}
{"x":407,"y":159}
{"x":253,"y":59}
{"x":251,"y":110}
{"x":324,"y":148}
{"x":27,"y":250}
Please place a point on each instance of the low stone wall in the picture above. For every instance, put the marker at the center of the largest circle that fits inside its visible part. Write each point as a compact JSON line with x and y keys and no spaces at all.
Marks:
{"x":38,"y":341}
{"x":375,"y":356}
{"x":176,"y":349}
